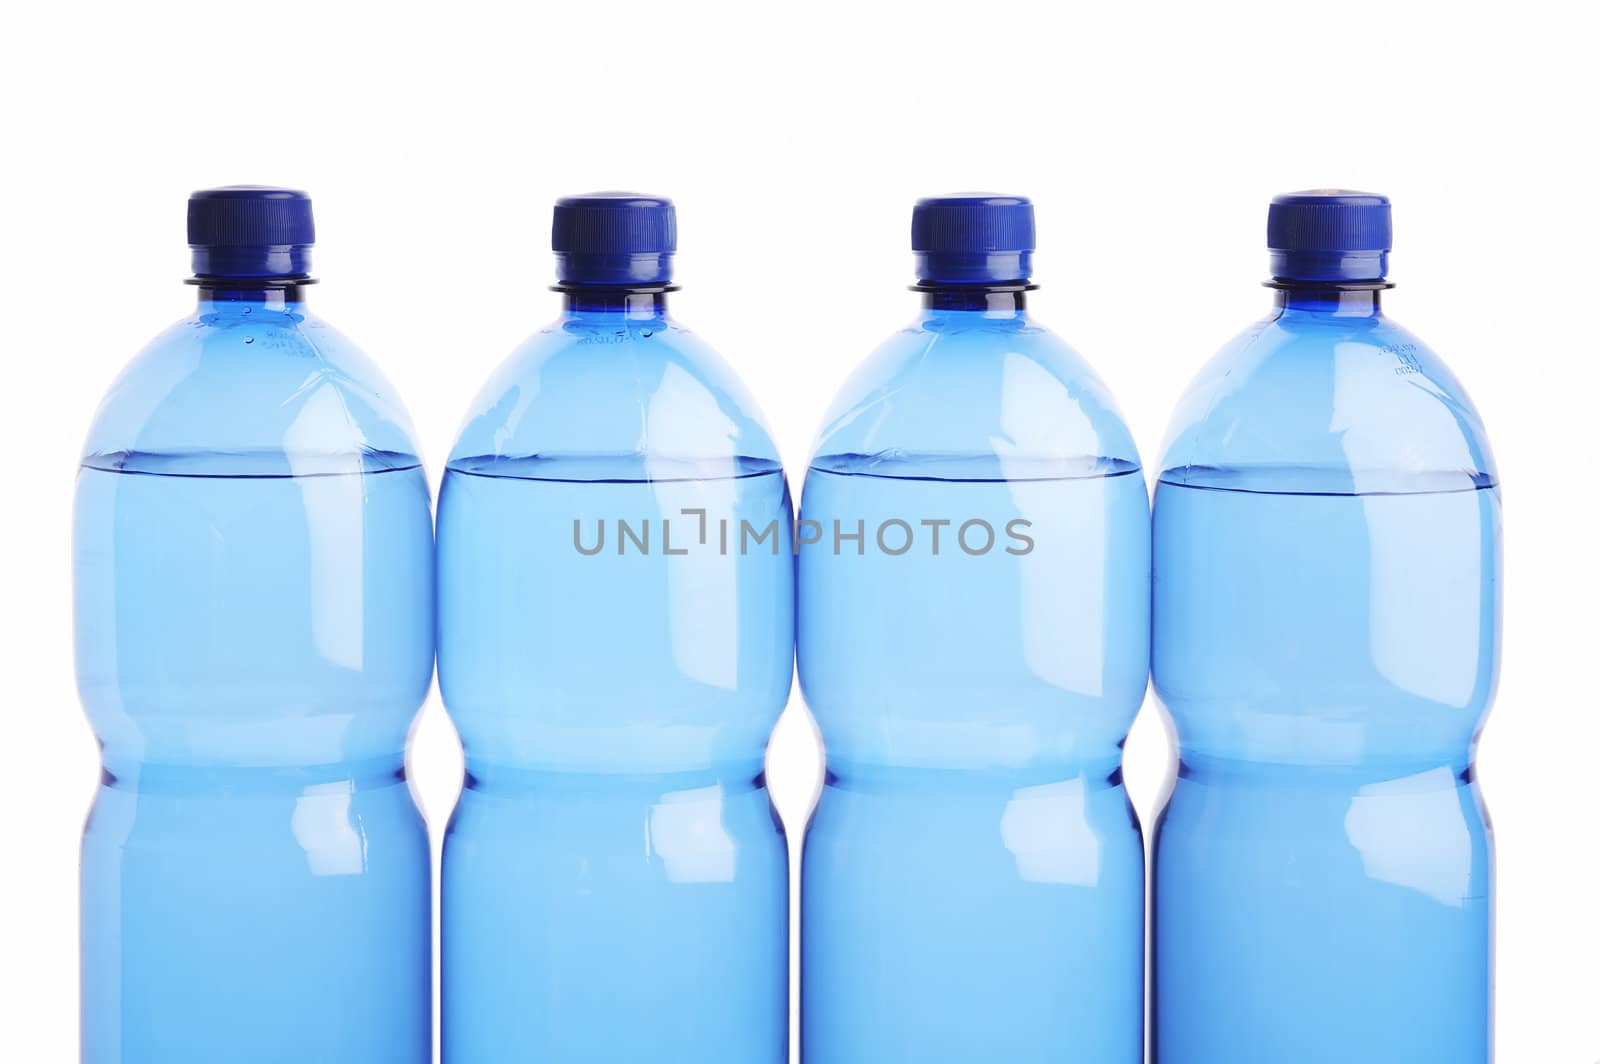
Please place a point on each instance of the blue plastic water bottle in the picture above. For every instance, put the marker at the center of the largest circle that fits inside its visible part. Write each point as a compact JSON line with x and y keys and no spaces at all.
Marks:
{"x":616,"y":642}
{"x":1327,"y":605}
{"x":254,"y":593}
{"x":973,"y":642}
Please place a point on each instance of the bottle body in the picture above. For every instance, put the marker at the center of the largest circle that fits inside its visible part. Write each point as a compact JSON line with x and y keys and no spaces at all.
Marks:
{"x":254,"y":605}
{"x":615,"y":647}
{"x":972,"y":643}
{"x":1326,"y":624}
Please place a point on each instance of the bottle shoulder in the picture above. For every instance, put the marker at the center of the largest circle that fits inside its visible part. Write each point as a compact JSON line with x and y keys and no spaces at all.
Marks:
{"x":1004,"y":388}
{"x":1354,"y":401}
{"x":611,"y":385}
{"x":266,"y":382}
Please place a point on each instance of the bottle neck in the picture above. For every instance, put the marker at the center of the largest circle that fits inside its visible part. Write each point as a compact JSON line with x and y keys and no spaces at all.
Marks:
{"x":1328,"y":299}
{"x":639,"y":303}
{"x":999,"y":301}
{"x":275,"y":296}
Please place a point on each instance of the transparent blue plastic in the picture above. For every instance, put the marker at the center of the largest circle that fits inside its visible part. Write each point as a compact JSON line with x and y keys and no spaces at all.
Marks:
{"x":615,"y":650}
{"x":254,"y":636}
{"x":974,"y":873}
{"x":1326,"y":629}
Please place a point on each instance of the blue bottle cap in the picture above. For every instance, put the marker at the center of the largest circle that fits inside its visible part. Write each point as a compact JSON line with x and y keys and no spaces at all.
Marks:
{"x":1329,"y":235}
{"x":973,"y":238}
{"x":251,"y":232}
{"x":614,"y":238}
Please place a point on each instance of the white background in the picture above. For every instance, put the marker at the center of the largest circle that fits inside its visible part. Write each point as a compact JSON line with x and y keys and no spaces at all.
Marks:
{"x":434,"y":138}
